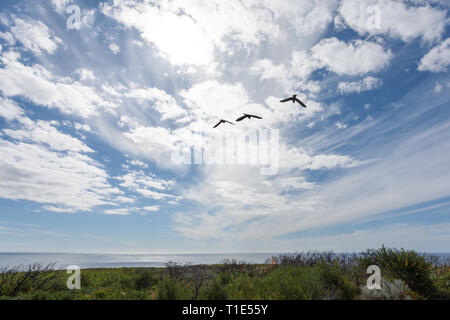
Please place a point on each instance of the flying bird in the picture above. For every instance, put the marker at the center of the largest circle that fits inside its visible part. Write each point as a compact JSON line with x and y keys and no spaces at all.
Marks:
{"x":247,"y":116}
{"x":222,"y":121}
{"x":294,"y":100}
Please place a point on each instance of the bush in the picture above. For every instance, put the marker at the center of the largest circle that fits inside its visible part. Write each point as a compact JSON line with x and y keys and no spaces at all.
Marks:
{"x":294,"y":283}
{"x":24,"y":279}
{"x":310,"y":258}
{"x":175,"y":270}
{"x":144,"y":280}
{"x":409,"y":266}
{"x":396,"y":290}
{"x":170,"y":289}
{"x":216,"y":291}
{"x":242,"y":288}
{"x":441,"y":279}
{"x":285,"y":282}
{"x":225,"y":278}
{"x":233,"y":266}
{"x":100,"y":294}
{"x":337,"y":283}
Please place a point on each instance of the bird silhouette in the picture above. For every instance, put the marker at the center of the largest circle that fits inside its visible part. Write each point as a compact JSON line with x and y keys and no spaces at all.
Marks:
{"x":222,"y":121}
{"x":249,"y":116}
{"x":294,"y":100}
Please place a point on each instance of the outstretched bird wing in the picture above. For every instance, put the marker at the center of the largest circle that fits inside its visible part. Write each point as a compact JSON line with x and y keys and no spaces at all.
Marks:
{"x":301,"y":103}
{"x":218,"y":124}
{"x":228,"y":122}
{"x":286,"y":100}
{"x":253,"y":116}
{"x":241,"y":118}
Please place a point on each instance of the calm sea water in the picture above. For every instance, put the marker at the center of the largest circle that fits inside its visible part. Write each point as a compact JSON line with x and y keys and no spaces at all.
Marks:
{"x":123,"y":260}
{"x":84,"y":261}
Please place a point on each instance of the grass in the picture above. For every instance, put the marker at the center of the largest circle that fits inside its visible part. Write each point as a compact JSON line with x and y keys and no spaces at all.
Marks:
{"x":297,"y":276}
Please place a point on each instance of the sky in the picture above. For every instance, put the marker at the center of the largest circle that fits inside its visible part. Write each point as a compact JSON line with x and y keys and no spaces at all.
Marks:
{"x":96,"y":98}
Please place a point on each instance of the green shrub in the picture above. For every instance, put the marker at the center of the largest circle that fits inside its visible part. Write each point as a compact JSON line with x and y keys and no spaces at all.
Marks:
{"x":297,"y":283}
{"x":24,"y":279}
{"x":310,"y":258}
{"x":137,"y":295}
{"x":225,"y":278}
{"x":100,"y":294}
{"x":144,"y":280}
{"x":242,"y":288}
{"x":441,"y":279}
{"x":337,"y":283}
{"x":395,"y":290}
{"x":170,"y":289}
{"x":285,"y":282}
{"x":409,"y":266}
{"x":216,"y":291}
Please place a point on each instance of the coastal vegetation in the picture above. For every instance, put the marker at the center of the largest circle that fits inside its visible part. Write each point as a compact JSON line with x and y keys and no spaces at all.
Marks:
{"x":304,"y":275}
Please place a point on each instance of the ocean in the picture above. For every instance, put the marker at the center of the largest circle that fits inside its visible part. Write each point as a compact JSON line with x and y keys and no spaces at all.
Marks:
{"x":90,"y":260}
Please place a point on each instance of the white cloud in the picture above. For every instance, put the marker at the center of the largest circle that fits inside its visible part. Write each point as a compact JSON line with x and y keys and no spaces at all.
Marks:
{"x":397,"y":19}
{"x":266,"y":69}
{"x":34,"y":35}
{"x":230,"y":100}
{"x":187,"y":32}
{"x":295,"y":157}
{"x":304,"y":63}
{"x":9,"y":109}
{"x":82,"y":127}
{"x":438,"y":59}
{"x":123,"y":199}
{"x":38,"y":85}
{"x":42,"y":132}
{"x":211,"y":100}
{"x":353,"y":58}
{"x":153,"y":140}
{"x":138,"y":163}
{"x":114,"y":47}
{"x":142,"y":184}
{"x":233,"y":196}
{"x":341,"y":125}
{"x":86,"y":74}
{"x":295,"y":183}
{"x":162,"y":102}
{"x":60,"y":5}
{"x":147,"y":193}
{"x":318,"y":13}
{"x":8,"y":37}
{"x":138,"y":179}
{"x":151,"y":208}
{"x":119,"y":211}
{"x":59,"y":209}
{"x":290,"y":76}
{"x":438,"y":87}
{"x":35,"y":159}
{"x":366,"y":84}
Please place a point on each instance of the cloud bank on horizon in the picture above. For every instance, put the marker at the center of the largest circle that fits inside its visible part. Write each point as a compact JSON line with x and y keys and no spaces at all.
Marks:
{"x":96,"y":96}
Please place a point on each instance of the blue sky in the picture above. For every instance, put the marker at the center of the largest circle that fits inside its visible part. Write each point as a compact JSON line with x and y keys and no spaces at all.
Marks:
{"x":95,"y":98}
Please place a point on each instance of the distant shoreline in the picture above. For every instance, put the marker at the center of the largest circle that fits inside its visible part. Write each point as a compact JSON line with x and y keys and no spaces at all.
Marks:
{"x":134,"y":260}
